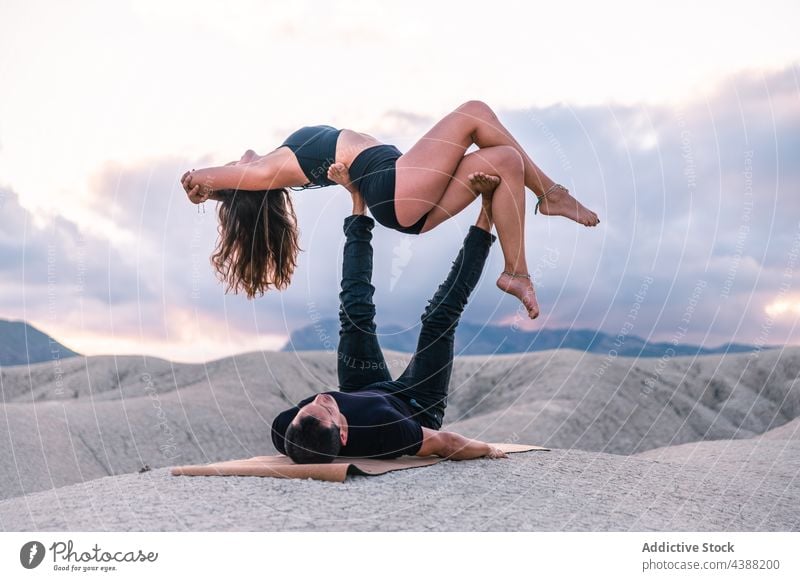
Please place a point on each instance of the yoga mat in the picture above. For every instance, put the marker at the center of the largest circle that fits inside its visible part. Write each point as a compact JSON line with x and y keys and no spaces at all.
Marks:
{"x":282,"y":466}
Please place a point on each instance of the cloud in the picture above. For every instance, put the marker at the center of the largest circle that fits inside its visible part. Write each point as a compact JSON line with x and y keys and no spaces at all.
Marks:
{"x":701,"y":199}
{"x":57,"y":258}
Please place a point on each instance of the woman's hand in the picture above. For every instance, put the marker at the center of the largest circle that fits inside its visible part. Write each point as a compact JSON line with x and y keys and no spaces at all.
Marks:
{"x":196,"y":194}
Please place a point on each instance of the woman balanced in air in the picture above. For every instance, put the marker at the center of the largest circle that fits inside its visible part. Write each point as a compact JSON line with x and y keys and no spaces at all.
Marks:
{"x":410,"y":192}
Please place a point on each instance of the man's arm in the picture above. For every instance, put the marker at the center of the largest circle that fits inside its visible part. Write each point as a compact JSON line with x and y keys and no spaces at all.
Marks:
{"x":455,"y":446}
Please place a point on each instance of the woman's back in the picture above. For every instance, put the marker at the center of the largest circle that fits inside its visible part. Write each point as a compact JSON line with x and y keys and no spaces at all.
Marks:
{"x":351,"y":143}
{"x":315,"y":148}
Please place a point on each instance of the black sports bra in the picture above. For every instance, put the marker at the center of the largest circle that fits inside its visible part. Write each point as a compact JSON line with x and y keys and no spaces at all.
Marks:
{"x":315,"y":149}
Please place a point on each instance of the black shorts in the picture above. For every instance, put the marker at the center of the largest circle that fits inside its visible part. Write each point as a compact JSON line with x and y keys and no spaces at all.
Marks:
{"x":373,"y":173}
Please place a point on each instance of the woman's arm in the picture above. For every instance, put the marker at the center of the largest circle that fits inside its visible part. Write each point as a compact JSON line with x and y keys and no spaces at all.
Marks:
{"x":253,"y":177}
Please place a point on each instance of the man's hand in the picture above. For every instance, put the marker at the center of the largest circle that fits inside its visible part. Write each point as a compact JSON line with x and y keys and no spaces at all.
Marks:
{"x":495,"y":453}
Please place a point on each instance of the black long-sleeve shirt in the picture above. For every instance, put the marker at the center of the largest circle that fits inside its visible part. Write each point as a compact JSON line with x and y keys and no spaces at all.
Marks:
{"x":379,"y":424}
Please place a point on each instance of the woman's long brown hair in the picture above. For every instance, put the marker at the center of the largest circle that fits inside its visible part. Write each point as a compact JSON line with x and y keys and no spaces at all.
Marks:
{"x":258,"y":241}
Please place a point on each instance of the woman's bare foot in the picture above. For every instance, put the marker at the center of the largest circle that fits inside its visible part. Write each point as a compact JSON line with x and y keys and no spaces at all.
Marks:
{"x":522,"y":288}
{"x":559,"y":202}
{"x":483,"y":183}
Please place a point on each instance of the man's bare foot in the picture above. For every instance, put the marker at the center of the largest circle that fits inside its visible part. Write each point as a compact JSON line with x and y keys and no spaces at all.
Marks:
{"x":559,"y":202}
{"x":483,"y":183}
{"x":339,"y":173}
{"x":485,"y":220}
{"x":522,"y":288}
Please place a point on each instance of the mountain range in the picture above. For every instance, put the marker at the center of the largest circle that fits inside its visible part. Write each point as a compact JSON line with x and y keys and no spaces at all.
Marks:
{"x":474,"y":339}
{"x":24,"y":344}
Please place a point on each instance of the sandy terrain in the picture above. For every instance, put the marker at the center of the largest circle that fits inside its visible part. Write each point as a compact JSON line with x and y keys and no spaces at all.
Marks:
{"x":708,"y":443}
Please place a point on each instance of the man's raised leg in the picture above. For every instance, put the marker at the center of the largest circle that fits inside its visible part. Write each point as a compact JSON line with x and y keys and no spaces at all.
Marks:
{"x":360,"y":359}
{"x":427,"y":377}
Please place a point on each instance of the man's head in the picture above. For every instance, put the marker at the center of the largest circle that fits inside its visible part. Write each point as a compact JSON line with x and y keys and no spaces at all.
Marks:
{"x":317,"y":432}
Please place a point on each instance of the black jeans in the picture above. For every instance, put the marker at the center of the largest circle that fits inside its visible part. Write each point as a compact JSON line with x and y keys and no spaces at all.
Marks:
{"x":361,"y":365}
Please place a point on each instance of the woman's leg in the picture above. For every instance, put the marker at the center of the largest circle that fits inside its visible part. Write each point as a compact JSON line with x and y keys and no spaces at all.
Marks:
{"x":508,"y":211}
{"x":425,"y":170}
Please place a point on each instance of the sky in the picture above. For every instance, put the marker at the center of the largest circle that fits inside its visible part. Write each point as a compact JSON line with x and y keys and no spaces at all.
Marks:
{"x":679,"y":123}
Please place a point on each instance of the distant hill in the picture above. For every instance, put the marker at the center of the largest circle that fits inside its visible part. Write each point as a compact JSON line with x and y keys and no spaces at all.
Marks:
{"x":22,"y":344}
{"x":472,"y":339}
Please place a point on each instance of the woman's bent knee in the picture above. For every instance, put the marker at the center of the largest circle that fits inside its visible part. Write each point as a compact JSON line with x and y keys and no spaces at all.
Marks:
{"x":501,"y":158}
{"x":511,"y":159}
{"x":476,"y":108}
